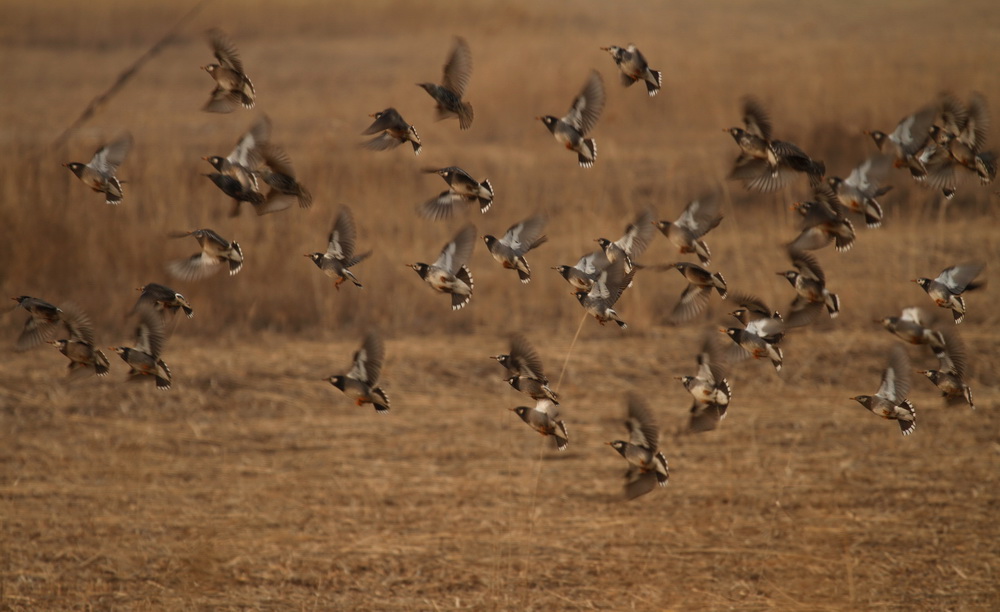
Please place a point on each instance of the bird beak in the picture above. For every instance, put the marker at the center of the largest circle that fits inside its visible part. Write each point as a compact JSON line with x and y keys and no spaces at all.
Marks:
{"x":924,"y":372}
{"x":306,"y":254}
{"x":723,"y":330}
{"x":678,"y":378}
{"x":605,"y":48}
{"x":914,"y":280}
{"x":780,"y":273}
{"x":512,"y":409}
{"x":795,"y":206}
{"x":607,"y":444}
{"x":205,"y":68}
{"x":66,"y":165}
{"x":725,"y":129}
{"x":372,"y":115}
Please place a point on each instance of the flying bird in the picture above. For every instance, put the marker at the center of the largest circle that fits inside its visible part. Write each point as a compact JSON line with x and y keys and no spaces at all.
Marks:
{"x":522,"y":360}
{"x":699,"y":217}
{"x":448,"y":95}
{"x":510,"y":249}
{"x":860,"y":190}
{"x":634,"y":242}
{"x":236,"y":174}
{"x":545,"y":419}
{"x":809,"y":282}
{"x":572,"y":129}
{"x":162,"y":299}
{"x":449,"y":273}
{"x":99,"y":172}
{"x":586,"y":271}
{"x":144,"y":358}
{"x":605,"y":292}
{"x":694,"y":298}
{"x":634,"y":67}
{"x":764,"y":164}
{"x":946,"y":290}
{"x":823,"y":222}
{"x":890,"y":402}
{"x":232,"y":86}
{"x":950,"y":377}
{"x":78,"y":346}
{"x":462,"y":189}
{"x":278,"y":174}
{"x":709,"y":389}
{"x":215,"y":251}
{"x":913,"y":326}
{"x":647,"y":465}
{"x":392,"y":131}
{"x":339,"y":256}
{"x":360,"y":384}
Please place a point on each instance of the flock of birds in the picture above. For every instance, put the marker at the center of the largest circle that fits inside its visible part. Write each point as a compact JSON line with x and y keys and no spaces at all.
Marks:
{"x":935,"y":144}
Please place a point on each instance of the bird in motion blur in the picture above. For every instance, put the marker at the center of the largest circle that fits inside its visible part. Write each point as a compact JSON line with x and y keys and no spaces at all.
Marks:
{"x":809,"y":282}
{"x":162,"y":299}
{"x":947,"y":288}
{"x":699,"y":217}
{"x":823,"y":222}
{"x":462,"y":189}
{"x":890,"y":402}
{"x":647,"y":465}
{"x":509,"y":250}
{"x":78,"y":345}
{"x":339,"y":256}
{"x":694,"y":298}
{"x":858,"y":192}
{"x":144,"y":358}
{"x":41,"y":323}
{"x":950,"y":377}
{"x":215,"y":251}
{"x":455,"y":80}
{"x":913,"y":326}
{"x":278,"y":174}
{"x":585,"y":271}
{"x":361,"y":383}
{"x":709,"y":388}
{"x":638,"y":234}
{"x":522,"y":359}
{"x":634,"y":67}
{"x":232,"y":85}
{"x":544,"y":418}
{"x":599,"y":301}
{"x":571,"y":130}
{"x":449,"y":272}
{"x":765,"y":164}
{"x":392,"y":131}
{"x":99,"y":172}
{"x":236,"y":174}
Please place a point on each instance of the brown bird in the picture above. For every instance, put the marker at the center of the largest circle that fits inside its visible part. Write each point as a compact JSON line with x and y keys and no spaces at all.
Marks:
{"x":232,"y":86}
{"x":709,"y":388}
{"x":509,"y":250}
{"x":572,"y":129}
{"x":236,"y":174}
{"x":449,"y":273}
{"x":215,"y":250}
{"x":694,"y":298}
{"x":823,"y":221}
{"x":809,"y":282}
{"x":78,"y":345}
{"x":277,"y":172}
{"x":144,"y":359}
{"x":360,"y":384}
{"x":41,"y":323}
{"x":99,"y":172}
{"x":545,"y":419}
{"x":522,"y":360}
{"x":647,"y":465}
{"x":162,"y":299}
{"x":339,"y":256}
{"x":946,"y":290}
{"x":392,"y":131}
{"x":699,"y":217}
{"x":890,"y":402}
{"x":950,"y":377}
{"x":454,"y":82}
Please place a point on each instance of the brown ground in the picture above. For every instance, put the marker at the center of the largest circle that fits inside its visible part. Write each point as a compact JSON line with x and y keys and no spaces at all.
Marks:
{"x":254,"y":485}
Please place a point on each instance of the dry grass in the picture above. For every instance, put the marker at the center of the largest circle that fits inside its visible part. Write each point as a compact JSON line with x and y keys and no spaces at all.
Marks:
{"x":253,"y":485}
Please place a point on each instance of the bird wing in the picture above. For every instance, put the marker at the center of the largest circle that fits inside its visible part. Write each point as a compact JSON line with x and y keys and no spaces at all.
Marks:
{"x":700,"y":215}
{"x":368,"y":360}
{"x":755,"y":118}
{"x":443,"y":205}
{"x":958,"y":277}
{"x":458,"y":69}
{"x":149,"y":335}
{"x":386,"y":120}
{"x":342,"y":236}
{"x":642,"y":429}
{"x":224,"y":50}
{"x":911,"y":133}
{"x":977,"y":125}
{"x":77,"y":323}
{"x":896,"y":376}
{"x":593,"y":263}
{"x":638,"y":234}
{"x":807,"y":265}
{"x":521,"y":236}
{"x":693,"y":301}
{"x":107,"y":159}
{"x":524,"y":360}
{"x":587,"y":105}
{"x":456,"y":253}
{"x":245,"y":151}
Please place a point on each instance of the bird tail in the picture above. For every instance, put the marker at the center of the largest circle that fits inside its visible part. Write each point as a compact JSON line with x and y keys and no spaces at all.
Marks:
{"x":586,"y":161}
{"x":833,"y":304}
{"x":720,"y":285}
{"x":235,"y":258}
{"x":653,"y":86}
{"x":465,"y":116}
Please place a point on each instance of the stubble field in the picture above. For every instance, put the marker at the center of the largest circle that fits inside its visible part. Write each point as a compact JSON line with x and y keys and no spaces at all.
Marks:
{"x":254,"y":485}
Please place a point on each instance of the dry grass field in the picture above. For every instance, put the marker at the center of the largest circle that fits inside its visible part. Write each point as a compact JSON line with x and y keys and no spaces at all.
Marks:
{"x":254,"y":485}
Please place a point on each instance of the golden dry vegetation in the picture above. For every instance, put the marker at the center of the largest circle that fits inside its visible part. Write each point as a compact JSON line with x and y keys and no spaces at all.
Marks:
{"x":254,"y":485}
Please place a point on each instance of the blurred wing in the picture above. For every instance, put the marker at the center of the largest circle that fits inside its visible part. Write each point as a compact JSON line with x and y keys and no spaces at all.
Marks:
{"x":700,"y":215}
{"x":521,"y":236}
{"x":642,"y":429}
{"x":244,"y":151}
{"x":224,"y":50}
{"x":638,"y":234}
{"x":77,"y":323}
{"x":342,"y":236}
{"x":457,"y":252}
{"x":958,"y":277}
{"x":693,"y":301}
{"x":524,"y":360}
{"x":594,"y":263}
{"x":755,"y":119}
{"x":368,"y":360}
{"x":196,"y":267}
{"x":443,"y":206}
{"x":896,"y":377}
{"x":149,"y":336}
{"x":110,"y":156}
{"x":807,"y":265}
{"x":458,"y":70}
{"x":588,"y":104}
{"x":386,"y":120}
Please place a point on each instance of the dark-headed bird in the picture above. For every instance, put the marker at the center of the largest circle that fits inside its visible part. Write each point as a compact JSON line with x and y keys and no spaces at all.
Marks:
{"x":858,"y":192}
{"x":215,"y":251}
{"x":647,"y":465}
{"x":462,"y":189}
{"x":638,"y":234}
{"x":448,"y":95}
{"x":695,"y":296}
{"x":99,"y":172}
{"x":809,"y":282}
{"x":232,"y":85}
{"x":162,"y":299}
{"x":236,"y":174}
{"x":698,"y":218}
{"x":946,"y":290}
{"x":890,"y":402}
{"x":144,"y":358}
{"x":392,"y":131}
{"x":522,"y":360}
{"x":605,"y":292}
{"x":709,"y":389}
{"x":360,"y":384}
{"x":340,"y":245}
{"x":545,"y":419}
{"x":41,"y":323}
{"x":78,"y":346}
{"x":572,"y":129}
{"x":634,"y":67}
{"x":950,"y":377}
{"x":584,"y":272}
{"x":449,"y":273}
{"x":509,"y":250}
